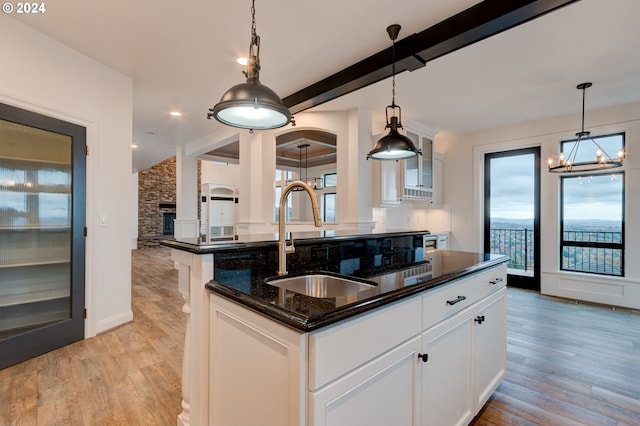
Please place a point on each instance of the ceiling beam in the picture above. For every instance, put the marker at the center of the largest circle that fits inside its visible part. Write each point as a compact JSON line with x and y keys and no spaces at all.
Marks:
{"x":474,"y":24}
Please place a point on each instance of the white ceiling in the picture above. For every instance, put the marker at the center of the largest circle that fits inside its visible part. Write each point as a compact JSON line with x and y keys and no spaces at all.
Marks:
{"x":181,"y":56}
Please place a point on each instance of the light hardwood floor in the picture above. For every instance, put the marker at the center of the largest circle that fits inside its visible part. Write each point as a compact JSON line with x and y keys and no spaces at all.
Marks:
{"x":127,"y":376}
{"x":568,"y":364}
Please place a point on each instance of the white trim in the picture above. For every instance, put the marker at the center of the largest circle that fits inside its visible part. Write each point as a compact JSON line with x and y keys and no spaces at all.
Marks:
{"x":114,"y":321}
{"x":614,"y":291}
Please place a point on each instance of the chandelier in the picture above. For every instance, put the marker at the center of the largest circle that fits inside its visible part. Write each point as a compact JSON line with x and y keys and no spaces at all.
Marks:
{"x":601,"y":159}
{"x":313,"y":182}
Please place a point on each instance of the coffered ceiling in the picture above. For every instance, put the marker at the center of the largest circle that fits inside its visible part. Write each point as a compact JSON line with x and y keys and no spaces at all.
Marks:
{"x":182,"y":55}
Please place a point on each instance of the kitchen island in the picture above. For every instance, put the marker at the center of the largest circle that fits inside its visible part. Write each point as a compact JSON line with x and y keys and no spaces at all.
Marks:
{"x":424,"y":343}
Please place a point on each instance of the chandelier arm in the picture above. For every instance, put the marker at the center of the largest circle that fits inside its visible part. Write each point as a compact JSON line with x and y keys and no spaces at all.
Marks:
{"x":574,"y":151}
{"x":606,"y":155}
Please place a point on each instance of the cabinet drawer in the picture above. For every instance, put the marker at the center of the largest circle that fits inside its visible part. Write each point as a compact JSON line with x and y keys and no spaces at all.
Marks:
{"x":443,"y":302}
{"x":491,"y":280}
{"x":341,"y":348}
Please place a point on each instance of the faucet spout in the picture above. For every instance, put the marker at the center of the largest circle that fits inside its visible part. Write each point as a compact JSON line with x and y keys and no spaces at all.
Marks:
{"x":282,"y":245}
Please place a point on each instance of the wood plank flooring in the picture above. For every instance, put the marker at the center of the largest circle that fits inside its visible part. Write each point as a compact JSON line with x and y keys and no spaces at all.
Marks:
{"x":128,"y":376}
{"x":568,"y":364}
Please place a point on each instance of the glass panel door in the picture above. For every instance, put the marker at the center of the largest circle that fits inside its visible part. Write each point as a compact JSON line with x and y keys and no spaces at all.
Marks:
{"x":427,"y":163}
{"x":512,"y":213}
{"x":411,"y":177}
{"x":41,"y":256}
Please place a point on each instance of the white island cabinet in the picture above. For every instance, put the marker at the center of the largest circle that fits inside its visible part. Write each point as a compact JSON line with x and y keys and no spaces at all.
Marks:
{"x":430,"y":359}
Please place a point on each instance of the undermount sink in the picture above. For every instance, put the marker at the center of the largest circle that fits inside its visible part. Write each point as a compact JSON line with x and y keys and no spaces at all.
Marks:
{"x":321,"y":284}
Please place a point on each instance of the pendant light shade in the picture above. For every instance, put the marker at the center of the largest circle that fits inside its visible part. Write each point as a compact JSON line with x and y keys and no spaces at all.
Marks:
{"x":251,"y":105}
{"x":393,"y":146}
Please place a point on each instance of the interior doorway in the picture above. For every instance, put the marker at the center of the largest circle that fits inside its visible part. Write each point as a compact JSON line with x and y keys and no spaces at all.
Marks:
{"x":512,"y":213}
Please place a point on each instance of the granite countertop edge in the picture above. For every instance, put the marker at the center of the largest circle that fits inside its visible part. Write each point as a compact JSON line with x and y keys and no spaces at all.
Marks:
{"x":310,"y":323}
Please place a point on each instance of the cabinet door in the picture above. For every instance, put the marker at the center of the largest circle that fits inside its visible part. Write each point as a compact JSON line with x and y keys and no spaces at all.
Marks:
{"x":446,"y":380}
{"x":438,"y":172}
{"x":385,"y":391}
{"x":489,"y":346}
{"x":417,"y":175}
{"x":412,"y":164}
{"x":390,"y":196}
{"x":426,"y":166}
{"x":255,"y":368}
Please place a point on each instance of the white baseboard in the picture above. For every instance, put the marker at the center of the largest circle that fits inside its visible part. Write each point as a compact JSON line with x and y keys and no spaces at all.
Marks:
{"x":114,"y":321}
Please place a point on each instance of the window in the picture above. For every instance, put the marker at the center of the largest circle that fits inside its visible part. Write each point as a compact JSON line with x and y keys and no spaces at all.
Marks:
{"x":592,"y":217}
{"x":329,"y":207}
{"x":281,"y":181}
{"x":330,"y":179}
{"x":329,"y":198}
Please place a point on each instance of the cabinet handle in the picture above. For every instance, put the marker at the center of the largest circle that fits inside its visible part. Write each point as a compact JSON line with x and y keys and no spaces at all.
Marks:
{"x":423,"y":357}
{"x":496,"y":281}
{"x":456,"y":300}
{"x":479,"y":319}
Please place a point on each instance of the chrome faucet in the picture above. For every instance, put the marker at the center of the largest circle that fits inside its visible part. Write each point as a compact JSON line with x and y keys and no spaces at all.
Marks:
{"x":283,"y":248}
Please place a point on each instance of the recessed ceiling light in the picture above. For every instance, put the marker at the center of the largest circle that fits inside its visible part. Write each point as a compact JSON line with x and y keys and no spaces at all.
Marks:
{"x":242,"y":61}
{"x":134,"y":146}
{"x":176,"y":113}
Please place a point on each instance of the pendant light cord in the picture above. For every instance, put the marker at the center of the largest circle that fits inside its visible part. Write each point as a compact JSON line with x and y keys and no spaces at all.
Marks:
{"x":253,"y":19}
{"x":584,"y":89}
{"x":393,"y":73}
{"x":255,"y":39}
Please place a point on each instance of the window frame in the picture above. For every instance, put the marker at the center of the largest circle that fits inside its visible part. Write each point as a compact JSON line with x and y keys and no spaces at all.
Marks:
{"x":324,"y":207}
{"x":593,"y":244}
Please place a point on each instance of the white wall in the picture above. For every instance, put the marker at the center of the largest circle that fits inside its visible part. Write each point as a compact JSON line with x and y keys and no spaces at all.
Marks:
{"x":463,"y":191}
{"x":218,"y":173}
{"x":42,"y":75}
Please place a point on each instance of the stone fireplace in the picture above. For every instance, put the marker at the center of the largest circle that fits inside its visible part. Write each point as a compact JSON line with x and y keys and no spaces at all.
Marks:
{"x":157,"y":202}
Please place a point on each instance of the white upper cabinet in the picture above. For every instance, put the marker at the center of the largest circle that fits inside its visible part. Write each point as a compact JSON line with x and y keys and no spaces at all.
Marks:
{"x":417,"y":172}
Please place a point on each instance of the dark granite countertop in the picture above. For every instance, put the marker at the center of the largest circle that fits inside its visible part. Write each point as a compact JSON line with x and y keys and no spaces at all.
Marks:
{"x":246,"y":286}
{"x":199,"y":246}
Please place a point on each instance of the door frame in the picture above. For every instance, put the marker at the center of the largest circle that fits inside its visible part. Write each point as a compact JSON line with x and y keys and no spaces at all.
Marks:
{"x":531,"y":283}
